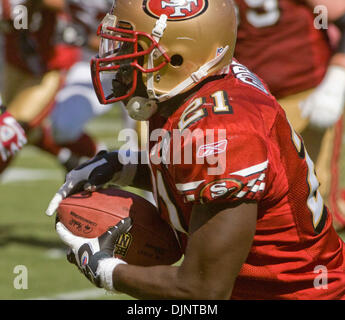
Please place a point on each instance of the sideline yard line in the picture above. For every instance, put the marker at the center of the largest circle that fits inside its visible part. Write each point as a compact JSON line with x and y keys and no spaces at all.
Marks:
{"x":76,"y":295}
{"x":24,"y":174}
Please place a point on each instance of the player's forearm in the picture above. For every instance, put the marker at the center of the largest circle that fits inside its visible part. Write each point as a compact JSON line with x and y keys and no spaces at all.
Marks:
{"x":159,"y":282}
{"x":146,"y":282}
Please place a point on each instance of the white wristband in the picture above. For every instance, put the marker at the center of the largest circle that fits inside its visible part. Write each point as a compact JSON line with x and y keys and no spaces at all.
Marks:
{"x":105,"y":271}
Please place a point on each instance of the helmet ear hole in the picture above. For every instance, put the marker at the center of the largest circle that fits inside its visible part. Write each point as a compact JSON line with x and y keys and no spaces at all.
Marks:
{"x":176,"y":60}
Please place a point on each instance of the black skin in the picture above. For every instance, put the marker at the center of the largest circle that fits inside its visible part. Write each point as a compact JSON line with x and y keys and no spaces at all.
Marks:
{"x":210,"y":274}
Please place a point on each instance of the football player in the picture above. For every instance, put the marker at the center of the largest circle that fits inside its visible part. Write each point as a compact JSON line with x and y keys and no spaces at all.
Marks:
{"x":228,"y":170}
{"x":36,"y":62}
{"x":285,"y":43}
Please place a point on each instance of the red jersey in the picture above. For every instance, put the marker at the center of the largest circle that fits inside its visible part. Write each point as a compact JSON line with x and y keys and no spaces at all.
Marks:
{"x":278,"y":41}
{"x":231,"y":142}
{"x":36,"y":51}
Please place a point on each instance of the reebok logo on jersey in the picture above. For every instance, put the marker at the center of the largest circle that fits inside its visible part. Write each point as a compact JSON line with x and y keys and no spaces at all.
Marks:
{"x":212,"y":149}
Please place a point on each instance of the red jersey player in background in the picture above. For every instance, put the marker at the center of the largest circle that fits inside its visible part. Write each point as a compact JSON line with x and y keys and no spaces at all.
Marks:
{"x":252,"y":224}
{"x":37,"y":60}
{"x":12,"y":135}
{"x":286,"y":44}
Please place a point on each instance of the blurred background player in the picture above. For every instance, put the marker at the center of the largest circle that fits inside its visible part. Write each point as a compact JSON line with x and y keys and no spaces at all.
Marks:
{"x":12,"y":135}
{"x":37,"y":78}
{"x":76,"y":103}
{"x":60,"y":80}
{"x":286,"y":44}
{"x":34,"y":68}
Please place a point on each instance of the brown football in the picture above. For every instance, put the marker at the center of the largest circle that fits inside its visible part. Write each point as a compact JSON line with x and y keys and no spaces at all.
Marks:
{"x":151,"y":241}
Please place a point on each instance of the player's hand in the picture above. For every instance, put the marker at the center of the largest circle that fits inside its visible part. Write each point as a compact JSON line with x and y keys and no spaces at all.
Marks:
{"x":325,"y":105}
{"x":95,"y":257}
{"x":12,"y":136}
{"x":88,"y":177}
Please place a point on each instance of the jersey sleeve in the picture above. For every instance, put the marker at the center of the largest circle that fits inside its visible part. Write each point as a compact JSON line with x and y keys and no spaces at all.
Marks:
{"x":231,"y":169}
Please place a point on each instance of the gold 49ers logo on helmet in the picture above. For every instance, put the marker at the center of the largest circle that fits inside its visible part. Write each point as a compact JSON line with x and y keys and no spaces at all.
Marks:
{"x":175,"y":10}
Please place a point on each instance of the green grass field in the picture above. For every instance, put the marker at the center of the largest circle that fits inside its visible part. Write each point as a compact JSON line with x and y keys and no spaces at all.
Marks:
{"x":27,"y":238}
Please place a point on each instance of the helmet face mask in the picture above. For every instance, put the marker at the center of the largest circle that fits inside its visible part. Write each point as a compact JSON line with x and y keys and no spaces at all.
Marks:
{"x":169,"y":45}
{"x":119,"y":55}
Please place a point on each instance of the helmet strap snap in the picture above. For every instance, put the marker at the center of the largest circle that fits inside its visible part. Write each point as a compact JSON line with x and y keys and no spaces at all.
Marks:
{"x":141,"y":109}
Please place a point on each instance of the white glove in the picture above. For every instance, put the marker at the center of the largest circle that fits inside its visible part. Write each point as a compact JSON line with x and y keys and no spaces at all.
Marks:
{"x":325,"y":105}
{"x":95,"y":257}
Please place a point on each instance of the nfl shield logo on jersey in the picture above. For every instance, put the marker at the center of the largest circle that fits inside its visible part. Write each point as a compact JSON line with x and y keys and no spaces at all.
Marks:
{"x":175,"y":9}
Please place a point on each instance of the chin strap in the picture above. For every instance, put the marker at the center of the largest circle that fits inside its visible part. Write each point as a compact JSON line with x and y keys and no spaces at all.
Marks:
{"x":157,"y":33}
